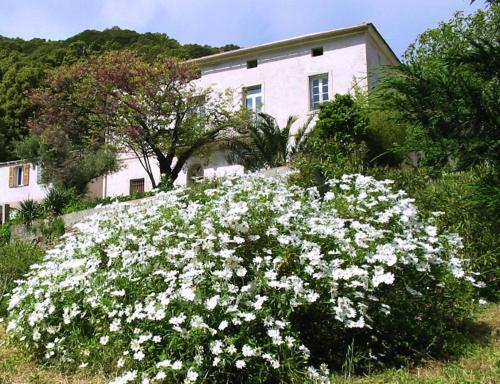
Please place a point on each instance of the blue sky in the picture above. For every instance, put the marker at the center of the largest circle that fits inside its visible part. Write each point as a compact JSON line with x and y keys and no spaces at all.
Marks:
{"x":219,"y":22}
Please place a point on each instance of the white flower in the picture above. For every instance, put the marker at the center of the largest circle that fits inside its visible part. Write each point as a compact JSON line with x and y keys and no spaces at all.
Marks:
{"x":223,"y":325}
{"x":187,"y":293}
{"x":104,"y":340}
{"x":191,"y":376}
{"x":177,"y":365}
{"x":247,"y":351}
{"x":240,"y":364}
{"x":178,"y":320}
{"x":212,"y":302}
{"x":139,"y":355}
{"x":160,"y":376}
{"x":115,"y":325}
{"x":216,"y":347}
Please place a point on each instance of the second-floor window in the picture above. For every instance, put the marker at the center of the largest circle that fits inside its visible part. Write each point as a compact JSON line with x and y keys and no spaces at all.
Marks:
{"x":253,"y":98}
{"x":319,"y":90}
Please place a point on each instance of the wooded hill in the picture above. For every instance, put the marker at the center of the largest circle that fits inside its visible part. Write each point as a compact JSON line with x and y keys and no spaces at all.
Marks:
{"x":23,"y":65}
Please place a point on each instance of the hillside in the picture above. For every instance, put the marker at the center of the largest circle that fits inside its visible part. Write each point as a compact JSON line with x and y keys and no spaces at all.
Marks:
{"x":23,"y":65}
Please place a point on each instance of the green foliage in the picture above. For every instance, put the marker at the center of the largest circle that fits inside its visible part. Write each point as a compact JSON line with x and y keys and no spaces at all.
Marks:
{"x":5,"y":233}
{"x":88,"y":203}
{"x":57,"y":199}
{"x":52,"y":229}
{"x":336,"y":144}
{"x":448,"y":90}
{"x":385,"y":138}
{"x":28,"y":211}
{"x":341,"y":120}
{"x":15,"y":260}
{"x":24,"y":64}
{"x":469,"y":201}
{"x":264,"y":144}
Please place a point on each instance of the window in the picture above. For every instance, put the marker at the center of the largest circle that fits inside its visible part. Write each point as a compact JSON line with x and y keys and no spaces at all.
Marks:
{"x":136,"y":186}
{"x":253,"y":98}
{"x":252,"y":64}
{"x":194,"y":173}
{"x":317,"y":51}
{"x":18,"y":176}
{"x":319,"y":90}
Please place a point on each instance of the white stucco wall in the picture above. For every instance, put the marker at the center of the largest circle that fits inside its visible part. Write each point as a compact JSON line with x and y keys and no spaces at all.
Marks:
{"x":375,"y":58}
{"x":118,"y":183}
{"x":214,"y":165}
{"x":284,"y":74}
{"x":14,"y":195}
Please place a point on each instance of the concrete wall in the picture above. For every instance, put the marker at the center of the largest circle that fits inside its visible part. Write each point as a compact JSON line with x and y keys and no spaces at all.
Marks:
{"x":14,"y":195}
{"x":284,"y":75}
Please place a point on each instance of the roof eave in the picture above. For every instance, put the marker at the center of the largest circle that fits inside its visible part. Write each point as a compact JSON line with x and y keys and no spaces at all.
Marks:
{"x":280,"y":44}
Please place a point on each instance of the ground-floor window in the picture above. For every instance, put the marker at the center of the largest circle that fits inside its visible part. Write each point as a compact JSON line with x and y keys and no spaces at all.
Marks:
{"x":136,"y":186}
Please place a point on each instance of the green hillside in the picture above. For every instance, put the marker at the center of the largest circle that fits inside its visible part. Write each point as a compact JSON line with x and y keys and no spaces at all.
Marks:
{"x":23,"y":65}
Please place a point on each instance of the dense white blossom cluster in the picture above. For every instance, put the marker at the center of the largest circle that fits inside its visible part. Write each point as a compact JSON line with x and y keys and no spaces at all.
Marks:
{"x":195,"y":285}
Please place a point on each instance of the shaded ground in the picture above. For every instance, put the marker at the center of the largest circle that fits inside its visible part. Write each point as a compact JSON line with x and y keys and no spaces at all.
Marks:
{"x":479,"y":365}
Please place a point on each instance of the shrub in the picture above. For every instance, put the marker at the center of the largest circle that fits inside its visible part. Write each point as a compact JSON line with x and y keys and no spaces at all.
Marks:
{"x":28,"y":211}
{"x":4,"y":233}
{"x":470,"y":202}
{"x":15,"y":260}
{"x":52,"y":229}
{"x":57,"y":200}
{"x":255,"y":281}
{"x":336,"y":145}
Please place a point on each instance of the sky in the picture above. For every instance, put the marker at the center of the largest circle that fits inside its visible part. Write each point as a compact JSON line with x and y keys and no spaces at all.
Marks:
{"x":221,"y":22}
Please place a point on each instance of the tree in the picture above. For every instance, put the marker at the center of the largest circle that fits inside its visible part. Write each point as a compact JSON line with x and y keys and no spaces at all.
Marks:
{"x":153,"y":110}
{"x":264,"y":144}
{"x":68,"y":143}
{"x":447,"y":88}
{"x":23,"y":66}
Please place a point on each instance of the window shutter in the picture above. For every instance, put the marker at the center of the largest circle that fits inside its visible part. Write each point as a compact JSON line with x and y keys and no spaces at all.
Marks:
{"x":26,"y":174}
{"x":11,"y":177}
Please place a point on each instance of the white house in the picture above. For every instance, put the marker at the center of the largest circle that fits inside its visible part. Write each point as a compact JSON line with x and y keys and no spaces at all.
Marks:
{"x":281,"y":78}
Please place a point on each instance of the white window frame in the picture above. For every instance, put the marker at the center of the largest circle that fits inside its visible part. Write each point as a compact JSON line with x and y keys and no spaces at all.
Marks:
{"x":18,"y":176}
{"x":323,"y":80}
{"x":256,"y":108}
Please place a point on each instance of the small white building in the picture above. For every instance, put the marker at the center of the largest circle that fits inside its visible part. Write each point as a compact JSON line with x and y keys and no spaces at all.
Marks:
{"x":282,"y":78}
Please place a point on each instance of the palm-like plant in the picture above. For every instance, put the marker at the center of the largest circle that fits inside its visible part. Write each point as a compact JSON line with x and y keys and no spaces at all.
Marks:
{"x":28,"y":212}
{"x":264,"y":144}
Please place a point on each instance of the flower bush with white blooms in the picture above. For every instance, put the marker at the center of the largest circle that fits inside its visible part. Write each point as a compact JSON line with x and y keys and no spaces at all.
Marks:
{"x":252,"y":281}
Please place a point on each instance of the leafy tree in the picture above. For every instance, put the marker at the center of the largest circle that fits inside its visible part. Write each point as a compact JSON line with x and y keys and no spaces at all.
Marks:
{"x":263,"y":144}
{"x":448,"y":89}
{"x":153,"y":110}
{"x":70,"y":146}
{"x":24,"y":65}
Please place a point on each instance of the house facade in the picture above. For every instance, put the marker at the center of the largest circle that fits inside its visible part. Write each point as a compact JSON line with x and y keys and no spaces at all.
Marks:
{"x":281,"y":78}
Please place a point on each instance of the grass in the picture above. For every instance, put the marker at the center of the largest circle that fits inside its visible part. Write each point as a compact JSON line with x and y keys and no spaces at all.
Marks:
{"x":17,"y":367}
{"x":479,"y":365}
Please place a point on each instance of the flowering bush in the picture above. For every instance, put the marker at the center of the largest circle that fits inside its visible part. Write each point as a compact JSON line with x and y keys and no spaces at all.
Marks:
{"x":254,"y":281}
